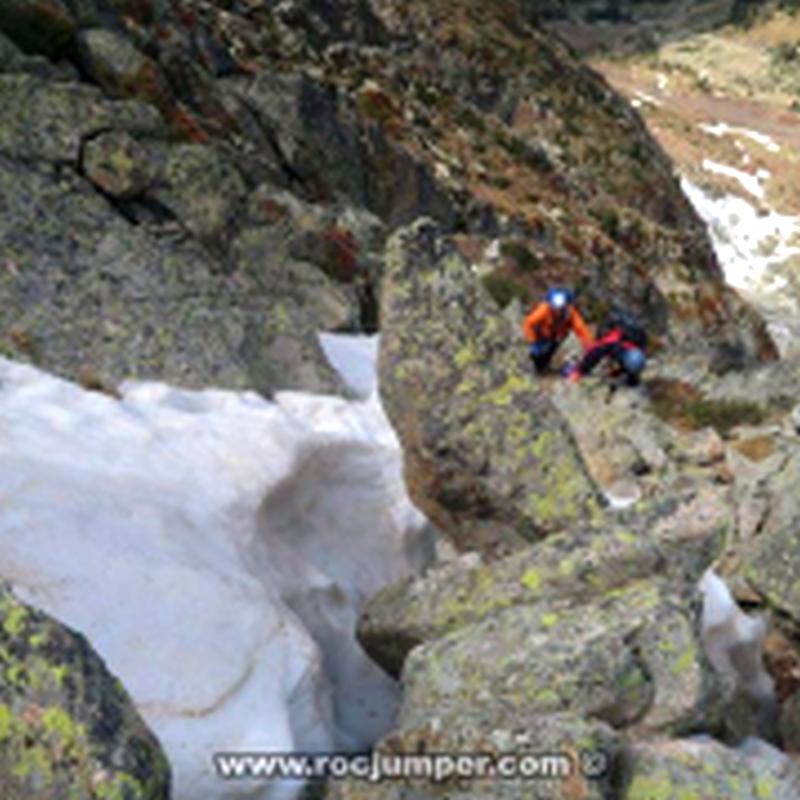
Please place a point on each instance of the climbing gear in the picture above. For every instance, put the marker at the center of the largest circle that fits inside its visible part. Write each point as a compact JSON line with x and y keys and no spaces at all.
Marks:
{"x":623,"y":320}
{"x":559,"y":299}
{"x":633,"y":360}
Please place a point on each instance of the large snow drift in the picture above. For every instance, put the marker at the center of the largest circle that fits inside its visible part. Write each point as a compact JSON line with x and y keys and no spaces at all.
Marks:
{"x":215,"y":548}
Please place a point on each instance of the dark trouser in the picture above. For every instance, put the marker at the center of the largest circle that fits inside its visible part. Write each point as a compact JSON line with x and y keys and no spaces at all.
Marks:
{"x":542,"y":352}
{"x":616,"y":351}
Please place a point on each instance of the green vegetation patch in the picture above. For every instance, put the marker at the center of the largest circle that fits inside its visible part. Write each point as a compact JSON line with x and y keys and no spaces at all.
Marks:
{"x":517,"y":252}
{"x":503,"y":289}
{"x":682,"y":405}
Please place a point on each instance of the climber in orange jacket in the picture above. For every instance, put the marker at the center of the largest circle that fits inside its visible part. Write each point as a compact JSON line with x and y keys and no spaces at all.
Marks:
{"x":550,"y":322}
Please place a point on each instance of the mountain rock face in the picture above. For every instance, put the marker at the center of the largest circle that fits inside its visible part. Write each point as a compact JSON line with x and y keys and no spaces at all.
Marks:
{"x":67,"y":727}
{"x":566,"y":569}
{"x":486,"y":456}
{"x":630,"y":24}
{"x":530,"y":652}
{"x":192,"y":191}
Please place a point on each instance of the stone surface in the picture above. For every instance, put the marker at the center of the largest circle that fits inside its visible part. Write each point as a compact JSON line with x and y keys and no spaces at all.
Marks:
{"x":115,"y":63}
{"x":574,"y":749}
{"x":680,"y":540}
{"x":632,"y":659}
{"x":53,"y":120}
{"x":67,"y":726}
{"x":83,"y":288}
{"x":117,"y":164}
{"x":706,"y":768}
{"x":201,"y":187}
{"x":488,"y":458}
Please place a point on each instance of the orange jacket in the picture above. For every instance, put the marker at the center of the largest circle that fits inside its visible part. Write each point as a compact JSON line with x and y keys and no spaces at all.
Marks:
{"x":542,"y":323}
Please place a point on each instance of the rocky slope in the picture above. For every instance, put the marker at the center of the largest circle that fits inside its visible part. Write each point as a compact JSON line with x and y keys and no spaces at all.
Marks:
{"x":591,"y":639}
{"x":191,"y":189}
{"x":723,"y":104}
{"x":631,"y":25}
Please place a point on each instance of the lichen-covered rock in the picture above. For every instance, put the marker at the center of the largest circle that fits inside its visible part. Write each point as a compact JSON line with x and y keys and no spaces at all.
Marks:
{"x":200,"y":186}
{"x":488,"y":458}
{"x":632,"y":659}
{"x":557,"y":757}
{"x":345,"y":242}
{"x":771,"y":566}
{"x":120,"y":68}
{"x":40,"y":26}
{"x":679,"y":770}
{"x":116,"y":163}
{"x":67,"y":726}
{"x":679,"y":539}
{"x":282,"y":351}
{"x":327,"y":259}
{"x":52,"y":120}
{"x":328,"y":146}
{"x":625,"y":444}
{"x":82,"y":288}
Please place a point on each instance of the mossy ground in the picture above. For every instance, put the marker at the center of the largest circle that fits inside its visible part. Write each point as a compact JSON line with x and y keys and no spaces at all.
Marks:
{"x":685,"y":407}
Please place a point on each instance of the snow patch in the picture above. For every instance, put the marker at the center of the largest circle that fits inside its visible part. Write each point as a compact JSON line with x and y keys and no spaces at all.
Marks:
{"x":622,"y":494}
{"x":723,"y":129}
{"x":354,"y":358}
{"x":215,"y":548}
{"x":750,"y":245}
{"x":643,"y":98}
{"x":733,"y":640}
{"x":750,"y":183}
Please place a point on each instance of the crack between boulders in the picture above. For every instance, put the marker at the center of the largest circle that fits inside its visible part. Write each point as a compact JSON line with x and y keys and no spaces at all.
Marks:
{"x":760,"y":490}
{"x":285,"y":165}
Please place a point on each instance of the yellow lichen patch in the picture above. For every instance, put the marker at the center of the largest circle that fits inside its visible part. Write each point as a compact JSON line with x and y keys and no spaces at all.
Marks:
{"x":656,"y":787}
{"x":685,"y":661}
{"x":503,"y":395}
{"x":464,"y":355}
{"x":6,"y":720}
{"x":532,"y":579}
{"x":69,"y":735}
{"x":14,"y":622}
{"x":765,"y":788}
